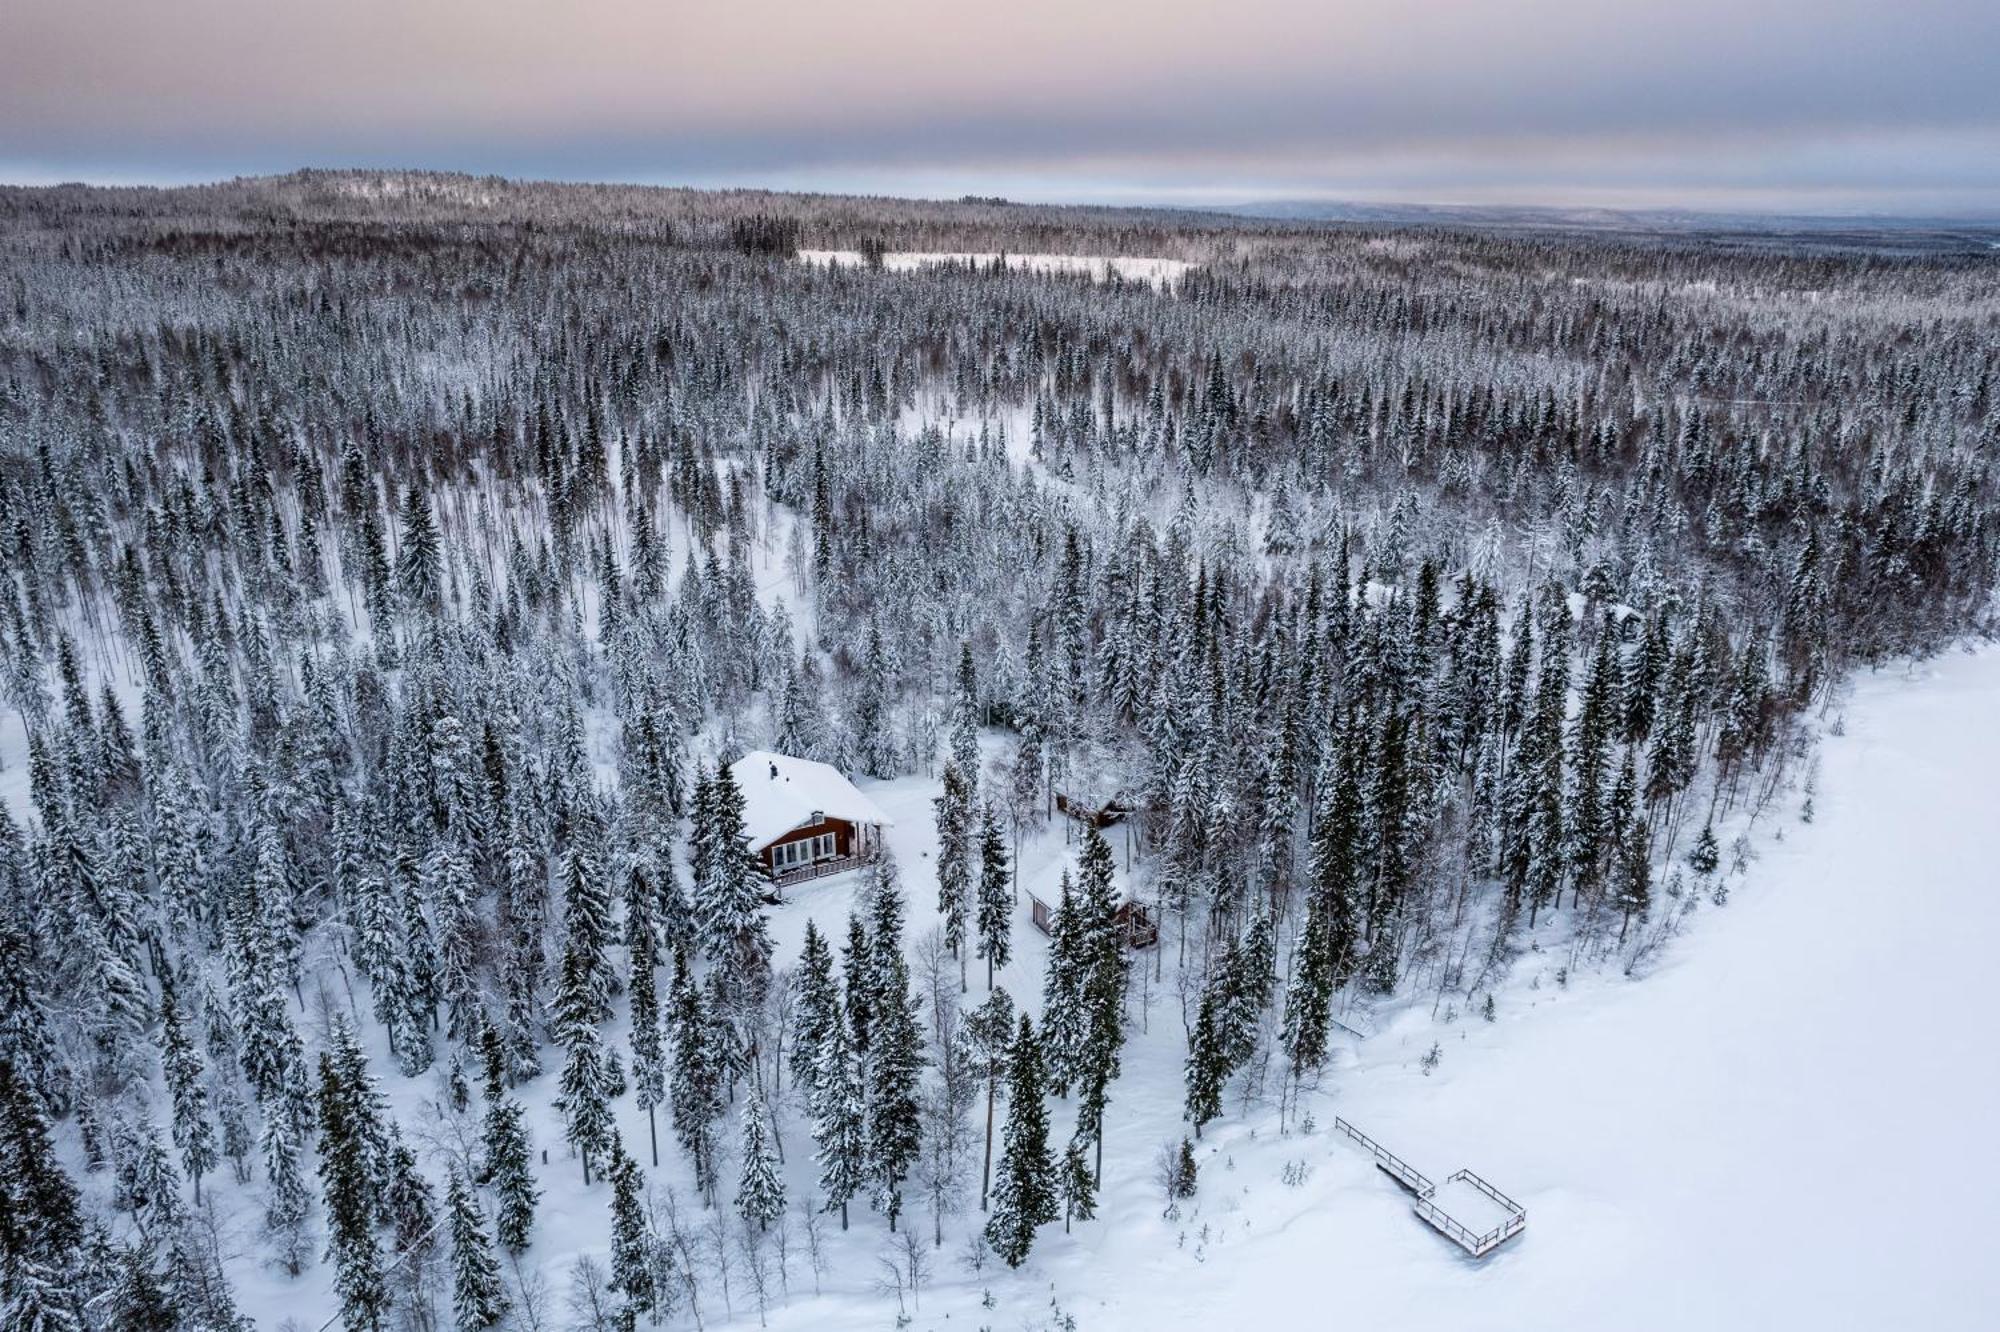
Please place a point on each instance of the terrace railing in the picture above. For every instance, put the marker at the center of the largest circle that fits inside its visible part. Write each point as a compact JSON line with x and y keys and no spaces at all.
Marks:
{"x":1475,"y":1243}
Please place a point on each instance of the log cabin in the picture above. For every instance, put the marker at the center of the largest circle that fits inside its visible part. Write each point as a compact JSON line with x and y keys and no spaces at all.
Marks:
{"x":802,"y":819}
{"x":1132,"y":919}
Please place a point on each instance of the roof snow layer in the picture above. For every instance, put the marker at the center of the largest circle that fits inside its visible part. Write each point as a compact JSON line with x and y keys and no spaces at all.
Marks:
{"x":781,"y":793}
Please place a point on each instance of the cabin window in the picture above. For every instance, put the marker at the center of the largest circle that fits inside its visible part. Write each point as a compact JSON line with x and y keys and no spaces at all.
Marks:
{"x":804,"y":851}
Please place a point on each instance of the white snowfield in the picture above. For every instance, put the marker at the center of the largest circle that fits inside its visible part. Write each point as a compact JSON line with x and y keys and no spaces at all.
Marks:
{"x":1132,"y":268}
{"x":781,"y":793}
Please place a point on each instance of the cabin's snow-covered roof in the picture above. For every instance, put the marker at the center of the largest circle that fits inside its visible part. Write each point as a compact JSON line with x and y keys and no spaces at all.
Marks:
{"x":774,"y":805}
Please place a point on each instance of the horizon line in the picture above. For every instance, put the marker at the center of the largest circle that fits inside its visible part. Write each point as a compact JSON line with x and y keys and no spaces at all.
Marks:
{"x":1239,"y":205}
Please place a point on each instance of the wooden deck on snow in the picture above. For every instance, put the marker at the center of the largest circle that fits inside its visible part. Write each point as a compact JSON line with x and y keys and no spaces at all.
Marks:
{"x":1476,"y":1201}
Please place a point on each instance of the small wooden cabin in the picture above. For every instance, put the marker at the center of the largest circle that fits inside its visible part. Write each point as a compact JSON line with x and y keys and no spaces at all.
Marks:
{"x":1095,"y":813}
{"x":803,"y":819}
{"x":1140,"y":929}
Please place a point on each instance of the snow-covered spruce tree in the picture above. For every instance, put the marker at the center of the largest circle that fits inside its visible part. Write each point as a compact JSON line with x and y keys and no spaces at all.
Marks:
{"x":365,"y":1109}
{"x":287,"y":1200}
{"x":760,"y":1187}
{"x":510,"y":1171}
{"x":1587,"y":825}
{"x":587,"y":924}
{"x":1632,"y":875}
{"x":525,"y":897}
{"x":478,"y":1299}
{"x":895,"y":1053}
{"x":1077,"y":1183}
{"x":696,"y":1080}
{"x":410,"y":1207}
{"x":839,"y":1122}
{"x":965,"y":715}
{"x":350,"y":1205}
{"x":995,"y":922}
{"x":729,"y":895}
{"x":1225,"y":1029}
{"x":1101,"y":995}
{"x":1065,"y":1019}
{"x":181,"y":1068}
{"x":817,"y":1011}
{"x":413,"y":988}
{"x":873,"y":725}
{"x":1025,"y":1194}
{"x":40,"y":1298}
{"x":148,"y":1186}
{"x":1026,"y":779}
{"x":954,"y":860}
{"x":25,"y":1042}
{"x":988,"y":1035}
{"x":584,"y":1093}
{"x":1705,"y":856}
{"x":631,"y":1273}
{"x":1309,"y":998}
{"x":454,"y":894}
{"x":649,"y":1068}
{"x":419,"y":557}
{"x":45,"y":1220}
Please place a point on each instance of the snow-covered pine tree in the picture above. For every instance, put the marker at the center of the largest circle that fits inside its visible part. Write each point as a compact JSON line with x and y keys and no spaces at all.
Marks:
{"x":895,"y":1053}
{"x":1065,"y":1020}
{"x":1025,"y":1195}
{"x":729,"y":896}
{"x":760,"y":1188}
{"x":584,"y":1093}
{"x":181,"y":1068}
{"x":817,"y":1012}
{"x":840,"y":1132}
{"x":988,"y":1034}
{"x":350,"y":1206}
{"x":1101,"y":997}
{"x":954,"y":860}
{"x":1078,"y":1185}
{"x":995,"y":923}
{"x":631,"y":1273}
{"x":696,"y":1079}
{"x":649,"y":1070}
{"x":478,"y":1299}
{"x":510,"y":1170}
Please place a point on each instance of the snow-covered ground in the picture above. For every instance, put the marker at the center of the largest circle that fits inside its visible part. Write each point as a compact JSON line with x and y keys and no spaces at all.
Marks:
{"x":1787,"y":1124}
{"x":1133,"y":268}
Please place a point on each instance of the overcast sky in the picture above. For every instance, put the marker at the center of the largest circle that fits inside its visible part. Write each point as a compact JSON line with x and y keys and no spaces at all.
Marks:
{"x":1807,"y":105}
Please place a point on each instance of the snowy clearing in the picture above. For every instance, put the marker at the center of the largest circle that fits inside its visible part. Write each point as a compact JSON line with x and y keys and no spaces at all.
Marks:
{"x":1158,"y":272}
